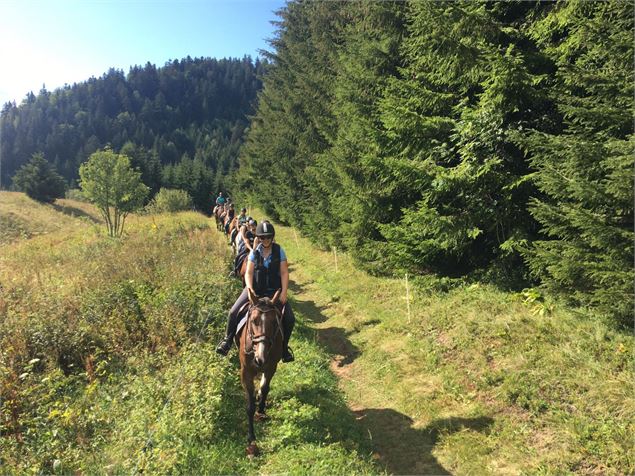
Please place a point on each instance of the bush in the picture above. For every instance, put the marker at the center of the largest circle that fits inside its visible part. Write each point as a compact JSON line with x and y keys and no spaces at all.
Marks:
{"x":170,"y":200}
{"x":76,"y":194}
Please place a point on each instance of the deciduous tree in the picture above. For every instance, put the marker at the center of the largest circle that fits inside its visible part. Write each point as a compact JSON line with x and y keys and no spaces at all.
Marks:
{"x":108,"y":180}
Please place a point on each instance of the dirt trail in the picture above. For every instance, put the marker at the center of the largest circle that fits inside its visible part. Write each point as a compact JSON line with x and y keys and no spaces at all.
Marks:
{"x":400,"y":444}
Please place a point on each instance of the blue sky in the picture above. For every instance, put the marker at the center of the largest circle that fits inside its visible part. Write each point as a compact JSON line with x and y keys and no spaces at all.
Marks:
{"x":54,"y":42}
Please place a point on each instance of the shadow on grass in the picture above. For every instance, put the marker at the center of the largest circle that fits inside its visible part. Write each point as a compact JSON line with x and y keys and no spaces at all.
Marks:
{"x":334,"y":339}
{"x":73,"y":212}
{"x":403,"y":449}
{"x":294,"y":286}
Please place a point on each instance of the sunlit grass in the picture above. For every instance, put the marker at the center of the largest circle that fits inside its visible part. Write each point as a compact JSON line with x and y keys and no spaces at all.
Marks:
{"x":504,"y":384}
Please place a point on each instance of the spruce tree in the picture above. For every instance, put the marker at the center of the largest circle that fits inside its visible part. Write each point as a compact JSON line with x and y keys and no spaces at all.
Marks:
{"x":465,"y":86}
{"x":585,"y":171}
{"x":39,"y":180}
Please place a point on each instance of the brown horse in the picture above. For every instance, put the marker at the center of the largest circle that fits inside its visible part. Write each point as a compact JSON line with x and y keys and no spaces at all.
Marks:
{"x":218,"y":212}
{"x":233,"y":225}
{"x":260,"y":349}
{"x":243,"y":270}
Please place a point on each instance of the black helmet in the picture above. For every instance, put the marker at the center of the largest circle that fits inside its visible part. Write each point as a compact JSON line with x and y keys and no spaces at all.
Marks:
{"x":265,"y":229}
{"x":243,"y":210}
{"x":251,"y":221}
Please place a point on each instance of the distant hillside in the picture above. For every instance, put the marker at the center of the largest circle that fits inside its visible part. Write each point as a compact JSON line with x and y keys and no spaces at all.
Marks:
{"x":190,"y":109}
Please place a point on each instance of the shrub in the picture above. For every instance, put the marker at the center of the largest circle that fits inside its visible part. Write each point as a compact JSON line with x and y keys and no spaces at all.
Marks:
{"x":170,"y":200}
{"x":76,"y":194}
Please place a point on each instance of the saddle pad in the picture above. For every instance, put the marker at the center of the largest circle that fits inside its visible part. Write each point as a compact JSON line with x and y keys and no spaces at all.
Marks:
{"x":241,"y":322}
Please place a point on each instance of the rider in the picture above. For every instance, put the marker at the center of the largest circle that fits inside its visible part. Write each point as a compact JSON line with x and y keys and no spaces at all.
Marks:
{"x":229,"y":216}
{"x":220,"y":200}
{"x":241,"y":220}
{"x":242,"y":217}
{"x":244,"y":244}
{"x":267,"y":272}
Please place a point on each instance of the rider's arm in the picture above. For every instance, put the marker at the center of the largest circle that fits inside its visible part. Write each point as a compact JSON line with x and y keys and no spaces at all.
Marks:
{"x":243,"y":234}
{"x":284,"y":278}
{"x":249,"y":275}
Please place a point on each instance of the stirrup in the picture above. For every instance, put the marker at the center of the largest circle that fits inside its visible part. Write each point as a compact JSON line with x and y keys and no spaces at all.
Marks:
{"x":287,"y":355}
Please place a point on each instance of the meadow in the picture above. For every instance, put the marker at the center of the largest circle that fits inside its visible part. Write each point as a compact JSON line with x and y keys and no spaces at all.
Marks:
{"x":108,"y":365}
{"x":464,"y":378}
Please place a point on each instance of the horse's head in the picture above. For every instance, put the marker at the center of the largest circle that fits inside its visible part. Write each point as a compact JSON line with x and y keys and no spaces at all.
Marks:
{"x":265,"y":328}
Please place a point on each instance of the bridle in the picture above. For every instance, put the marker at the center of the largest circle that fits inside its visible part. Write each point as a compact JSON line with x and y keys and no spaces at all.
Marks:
{"x":257,"y":339}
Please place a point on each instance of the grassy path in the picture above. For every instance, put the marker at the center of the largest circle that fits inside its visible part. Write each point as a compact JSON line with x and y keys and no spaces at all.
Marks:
{"x":472,"y":381}
{"x":401,"y":443}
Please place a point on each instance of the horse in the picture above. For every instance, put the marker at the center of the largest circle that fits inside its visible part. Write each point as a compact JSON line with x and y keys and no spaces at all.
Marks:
{"x":218,"y":216}
{"x":260,"y":349}
{"x":233,"y":225}
{"x":243,"y":270}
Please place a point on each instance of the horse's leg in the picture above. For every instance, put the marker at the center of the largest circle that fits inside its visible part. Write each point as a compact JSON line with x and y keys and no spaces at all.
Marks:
{"x":264,"y":391}
{"x":248,"y":384}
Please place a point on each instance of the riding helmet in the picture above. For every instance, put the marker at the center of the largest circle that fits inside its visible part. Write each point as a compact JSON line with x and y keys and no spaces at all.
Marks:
{"x":243,"y":210}
{"x":265,"y":229}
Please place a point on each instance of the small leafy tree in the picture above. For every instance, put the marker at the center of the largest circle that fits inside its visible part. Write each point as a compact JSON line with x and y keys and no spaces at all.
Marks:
{"x":108,"y":180}
{"x":39,"y":180}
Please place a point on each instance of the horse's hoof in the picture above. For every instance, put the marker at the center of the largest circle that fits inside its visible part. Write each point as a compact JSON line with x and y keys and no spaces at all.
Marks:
{"x":260,"y":416}
{"x":252,"y":450}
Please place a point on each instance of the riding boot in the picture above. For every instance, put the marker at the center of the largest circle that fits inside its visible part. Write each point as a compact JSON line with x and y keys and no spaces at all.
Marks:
{"x":287,"y":325}
{"x":226,"y":344}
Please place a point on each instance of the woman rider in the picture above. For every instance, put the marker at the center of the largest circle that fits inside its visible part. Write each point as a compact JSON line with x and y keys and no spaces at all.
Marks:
{"x":244,"y":244}
{"x":267,"y":271}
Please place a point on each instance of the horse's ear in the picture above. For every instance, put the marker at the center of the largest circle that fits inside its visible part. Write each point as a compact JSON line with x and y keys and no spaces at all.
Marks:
{"x":274,"y":300}
{"x":252,"y":297}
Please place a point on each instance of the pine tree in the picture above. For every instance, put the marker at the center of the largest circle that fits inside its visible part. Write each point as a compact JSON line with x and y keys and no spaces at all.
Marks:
{"x":585,"y":171}
{"x":39,"y":180}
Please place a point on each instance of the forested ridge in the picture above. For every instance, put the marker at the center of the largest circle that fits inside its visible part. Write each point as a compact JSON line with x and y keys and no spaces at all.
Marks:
{"x":487,"y":140}
{"x":181,"y":124}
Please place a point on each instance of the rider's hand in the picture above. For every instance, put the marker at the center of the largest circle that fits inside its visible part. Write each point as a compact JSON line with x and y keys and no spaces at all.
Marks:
{"x":283,"y":297}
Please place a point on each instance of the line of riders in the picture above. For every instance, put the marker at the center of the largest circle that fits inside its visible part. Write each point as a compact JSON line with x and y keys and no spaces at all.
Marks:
{"x":262,"y":265}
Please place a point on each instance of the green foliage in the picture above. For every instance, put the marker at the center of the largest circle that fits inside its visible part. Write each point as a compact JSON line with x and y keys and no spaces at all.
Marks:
{"x":108,"y":180}
{"x":75,"y":194}
{"x":39,"y":180}
{"x":585,"y":171}
{"x":485,"y":141}
{"x":155,"y":115}
{"x":195,"y":178}
{"x":467,"y":76}
{"x":170,"y":201}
